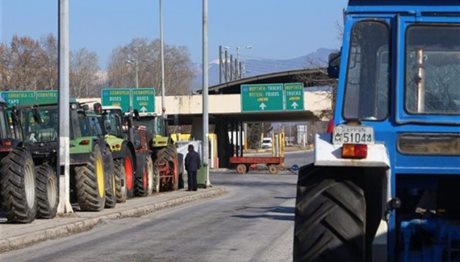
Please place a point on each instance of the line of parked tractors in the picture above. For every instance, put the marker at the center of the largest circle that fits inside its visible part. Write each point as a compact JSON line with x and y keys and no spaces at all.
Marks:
{"x":114,"y":156}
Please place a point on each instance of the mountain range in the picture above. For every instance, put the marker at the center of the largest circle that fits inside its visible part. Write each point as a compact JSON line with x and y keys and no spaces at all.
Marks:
{"x":262,"y":66}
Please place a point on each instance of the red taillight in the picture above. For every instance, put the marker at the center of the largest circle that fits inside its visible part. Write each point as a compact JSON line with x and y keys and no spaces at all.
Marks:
{"x":354,"y":151}
{"x":330,"y":126}
{"x":5,"y":145}
{"x":84,"y":142}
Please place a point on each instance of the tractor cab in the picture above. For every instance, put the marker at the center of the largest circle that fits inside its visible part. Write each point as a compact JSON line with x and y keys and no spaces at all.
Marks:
{"x":390,"y":161}
{"x":4,"y":126}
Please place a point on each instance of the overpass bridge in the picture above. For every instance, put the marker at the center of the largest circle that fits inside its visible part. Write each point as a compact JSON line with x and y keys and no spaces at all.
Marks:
{"x":226,"y":113}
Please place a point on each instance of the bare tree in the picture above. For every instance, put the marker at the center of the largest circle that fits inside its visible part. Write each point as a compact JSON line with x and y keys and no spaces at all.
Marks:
{"x":83,"y":74}
{"x":140,"y":60}
{"x":4,"y":66}
{"x":26,"y":61}
{"x":49,"y":72}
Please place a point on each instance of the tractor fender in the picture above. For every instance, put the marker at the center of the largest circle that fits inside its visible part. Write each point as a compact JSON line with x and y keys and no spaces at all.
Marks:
{"x":327,"y":154}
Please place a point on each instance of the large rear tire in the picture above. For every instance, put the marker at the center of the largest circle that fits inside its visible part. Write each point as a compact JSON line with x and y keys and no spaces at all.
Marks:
{"x":17,"y":186}
{"x":156,"y":178}
{"x":90,"y":183}
{"x":171,"y":157}
{"x":120,"y":181}
{"x":110,"y":187}
{"x":330,"y":221}
{"x":144,"y":180}
{"x":129,"y":171}
{"x":47,"y":192}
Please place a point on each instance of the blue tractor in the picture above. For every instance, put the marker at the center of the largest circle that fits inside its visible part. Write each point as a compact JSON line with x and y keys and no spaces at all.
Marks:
{"x":385,"y":182}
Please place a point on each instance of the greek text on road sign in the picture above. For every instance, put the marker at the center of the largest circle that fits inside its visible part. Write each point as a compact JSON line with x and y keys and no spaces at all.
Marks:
{"x":294,"y":96}
{"x":141,"y":99}
{"x":272,"y":97}
{"x":262,"y":97}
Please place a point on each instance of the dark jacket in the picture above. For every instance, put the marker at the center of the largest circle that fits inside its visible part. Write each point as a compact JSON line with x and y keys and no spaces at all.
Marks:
{"x":192,"y":161}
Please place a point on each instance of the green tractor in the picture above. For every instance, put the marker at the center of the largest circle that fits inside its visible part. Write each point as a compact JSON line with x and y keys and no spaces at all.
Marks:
{"x":37,"y":127}
{"x":17,"y":175}
{"x":168,"y":164}
{"x":91,"y":164}
{"x":129,"y":146}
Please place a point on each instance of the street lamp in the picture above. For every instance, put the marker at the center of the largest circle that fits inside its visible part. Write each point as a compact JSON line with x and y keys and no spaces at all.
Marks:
{"x":136,"y":68}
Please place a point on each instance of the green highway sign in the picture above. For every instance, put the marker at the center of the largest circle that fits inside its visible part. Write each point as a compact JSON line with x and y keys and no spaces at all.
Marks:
{"x":143,"y":99}
{"x":46,"y":97}
{"x":116,"y":97}
{"x":19,"y":97}
{"x":262,"y":97}
{"x":30,"y":97}
{"x":294,"y":96}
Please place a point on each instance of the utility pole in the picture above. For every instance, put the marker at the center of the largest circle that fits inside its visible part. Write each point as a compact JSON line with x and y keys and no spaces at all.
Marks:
{"x":162,"y":55}
{"x":63,"y":108}
{"x":226,"y":66}
{"x":205,"y":91}
{"x":220,"y":65}
{"x":231,"y":68}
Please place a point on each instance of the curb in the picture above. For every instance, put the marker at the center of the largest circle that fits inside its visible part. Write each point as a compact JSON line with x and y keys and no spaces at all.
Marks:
{"x":22,"y":241}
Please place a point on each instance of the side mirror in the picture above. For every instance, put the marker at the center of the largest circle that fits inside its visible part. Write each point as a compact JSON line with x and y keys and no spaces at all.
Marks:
{"x":333,"y":68}
{"x":136,"y":114}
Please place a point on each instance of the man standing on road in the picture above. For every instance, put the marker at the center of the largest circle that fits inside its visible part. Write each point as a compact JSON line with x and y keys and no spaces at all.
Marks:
{"x":192,"y":164}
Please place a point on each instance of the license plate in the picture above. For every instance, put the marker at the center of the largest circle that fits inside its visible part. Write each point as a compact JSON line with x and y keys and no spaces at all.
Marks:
{"x":353,"y":135}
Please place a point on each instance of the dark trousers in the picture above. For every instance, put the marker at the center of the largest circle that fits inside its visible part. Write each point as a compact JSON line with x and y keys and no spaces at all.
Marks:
{"x":191,"y":180}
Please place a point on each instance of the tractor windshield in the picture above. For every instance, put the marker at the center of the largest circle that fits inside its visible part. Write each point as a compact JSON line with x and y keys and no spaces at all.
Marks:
{"x":41,"y":130}
{"x":113,"y":124}
{"x":4,"y":127}
{"x":367,"y":85}
{"x":433,"y":69}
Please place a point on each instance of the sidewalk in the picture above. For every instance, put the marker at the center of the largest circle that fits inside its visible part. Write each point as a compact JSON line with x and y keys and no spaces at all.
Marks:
{"x":16,"y":236}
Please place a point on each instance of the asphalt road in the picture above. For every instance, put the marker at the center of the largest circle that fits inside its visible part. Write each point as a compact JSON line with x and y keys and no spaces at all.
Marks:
{"x":253,"y":222}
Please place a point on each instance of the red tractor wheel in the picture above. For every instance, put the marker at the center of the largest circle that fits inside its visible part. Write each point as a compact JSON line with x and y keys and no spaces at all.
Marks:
{"x":129,"y":170}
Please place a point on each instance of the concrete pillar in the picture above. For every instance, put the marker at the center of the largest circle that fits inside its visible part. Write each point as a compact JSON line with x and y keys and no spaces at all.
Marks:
{"x":223,"y":150}
{"x":197,"y":128}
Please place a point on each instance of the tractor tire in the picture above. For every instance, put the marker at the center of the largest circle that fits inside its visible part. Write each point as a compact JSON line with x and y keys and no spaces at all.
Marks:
{"x":171,"y":156}
{"x":330,"y":221}
{"x":120,"y":181}
{"x":47,"y":192}
{"x":175,"y":169}
{"x":144,"y":185}
{"x":18,"y":186}
{"x":90,"y":183}
{"x":129,"y":171}
{"x":156,"y":182}
{"x":110,"y":187}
